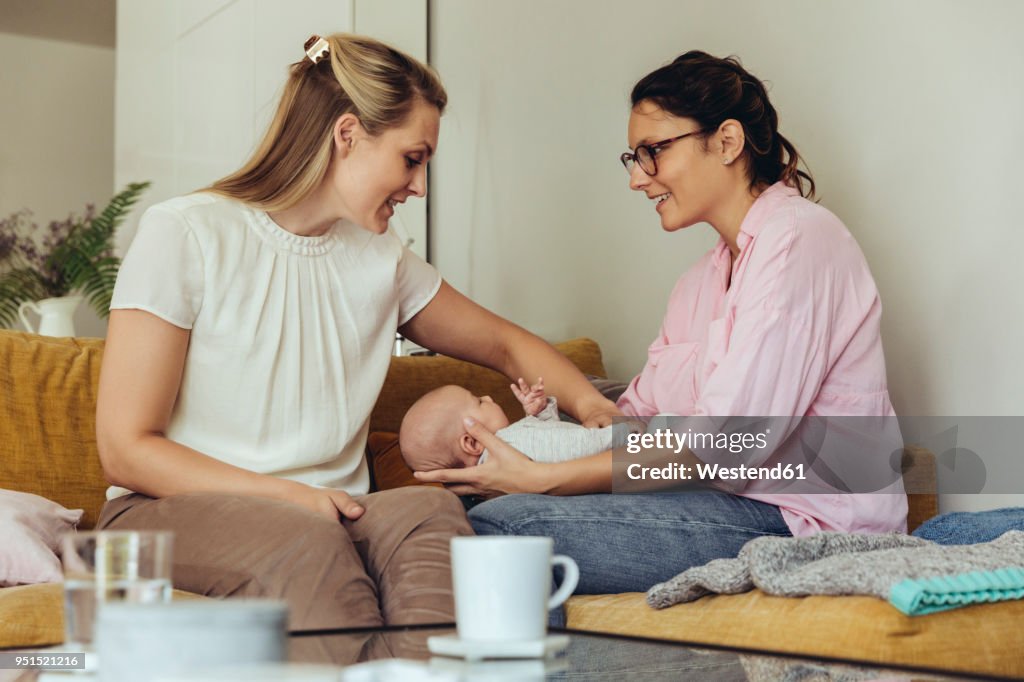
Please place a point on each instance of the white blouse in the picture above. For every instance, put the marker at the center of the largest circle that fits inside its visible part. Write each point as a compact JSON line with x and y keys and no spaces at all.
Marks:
{"x":291,"y":336}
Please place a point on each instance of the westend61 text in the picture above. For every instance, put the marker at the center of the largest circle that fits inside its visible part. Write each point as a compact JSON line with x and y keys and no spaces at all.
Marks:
{"x":710,"y":472}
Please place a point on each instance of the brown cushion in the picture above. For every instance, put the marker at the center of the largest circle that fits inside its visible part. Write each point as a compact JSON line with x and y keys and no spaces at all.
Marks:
{"x":409,"y":378}
{"x":33,"y":615}
{"x":861,"y":628}
{"x":387,"y":468}
{"x":48,"y":420}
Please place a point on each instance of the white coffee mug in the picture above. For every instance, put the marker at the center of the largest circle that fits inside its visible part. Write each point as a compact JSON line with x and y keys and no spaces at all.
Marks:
{"x":502,"y":586}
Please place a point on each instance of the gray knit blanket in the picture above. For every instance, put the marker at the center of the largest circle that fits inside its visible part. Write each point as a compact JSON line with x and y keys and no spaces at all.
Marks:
{"x":836,"y":564}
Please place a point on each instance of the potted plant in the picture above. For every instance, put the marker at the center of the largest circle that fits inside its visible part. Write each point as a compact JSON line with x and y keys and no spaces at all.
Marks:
{"x":52,"y":270}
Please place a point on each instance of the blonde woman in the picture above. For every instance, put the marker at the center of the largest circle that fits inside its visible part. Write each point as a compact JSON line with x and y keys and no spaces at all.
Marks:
{"x":249,"y":337}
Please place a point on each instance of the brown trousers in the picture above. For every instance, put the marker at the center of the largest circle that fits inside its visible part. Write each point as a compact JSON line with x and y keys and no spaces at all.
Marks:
{"x":391,"y":566}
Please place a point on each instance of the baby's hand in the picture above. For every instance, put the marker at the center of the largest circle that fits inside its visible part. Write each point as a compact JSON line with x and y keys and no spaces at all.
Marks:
{"x":532,"y":397}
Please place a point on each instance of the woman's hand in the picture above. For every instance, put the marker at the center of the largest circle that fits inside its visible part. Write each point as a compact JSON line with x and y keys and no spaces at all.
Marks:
{"x":327,"y":502}
{"x":506,"y":470}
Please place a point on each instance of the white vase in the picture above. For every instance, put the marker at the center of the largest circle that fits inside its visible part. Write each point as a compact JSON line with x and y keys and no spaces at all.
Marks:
{"x":56,"y":315}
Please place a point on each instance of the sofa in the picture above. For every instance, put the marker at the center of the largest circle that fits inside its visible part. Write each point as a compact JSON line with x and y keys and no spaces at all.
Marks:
{"x":48,"y":447}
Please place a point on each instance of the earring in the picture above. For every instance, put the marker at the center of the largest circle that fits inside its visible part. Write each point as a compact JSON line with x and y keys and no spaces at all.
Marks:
{"x":726,"y":161}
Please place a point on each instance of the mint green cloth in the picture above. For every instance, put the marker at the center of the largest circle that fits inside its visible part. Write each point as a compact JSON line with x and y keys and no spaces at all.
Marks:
{"x":941,"y":593}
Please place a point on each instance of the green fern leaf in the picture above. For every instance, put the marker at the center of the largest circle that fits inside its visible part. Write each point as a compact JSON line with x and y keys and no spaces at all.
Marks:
{"x":86,"y":261}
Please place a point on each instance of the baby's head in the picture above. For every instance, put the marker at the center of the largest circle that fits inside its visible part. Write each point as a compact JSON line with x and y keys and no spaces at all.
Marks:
{"x":433,"y":435}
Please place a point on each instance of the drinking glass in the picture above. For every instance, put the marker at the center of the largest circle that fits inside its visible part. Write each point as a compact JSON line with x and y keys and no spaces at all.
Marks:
{"x":101,"y":567}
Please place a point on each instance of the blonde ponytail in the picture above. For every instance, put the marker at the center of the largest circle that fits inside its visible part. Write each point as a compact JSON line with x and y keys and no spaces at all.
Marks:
{"x":362,"y":76}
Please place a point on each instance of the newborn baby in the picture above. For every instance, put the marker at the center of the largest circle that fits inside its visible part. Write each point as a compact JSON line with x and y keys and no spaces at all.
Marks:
{"x":433,"y":435}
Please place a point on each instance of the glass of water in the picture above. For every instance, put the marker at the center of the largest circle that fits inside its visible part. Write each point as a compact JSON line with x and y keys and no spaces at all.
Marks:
{"x":111,"y":566}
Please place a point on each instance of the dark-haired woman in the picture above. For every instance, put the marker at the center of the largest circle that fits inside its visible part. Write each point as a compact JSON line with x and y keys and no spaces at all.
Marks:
{"x":781,"y":317}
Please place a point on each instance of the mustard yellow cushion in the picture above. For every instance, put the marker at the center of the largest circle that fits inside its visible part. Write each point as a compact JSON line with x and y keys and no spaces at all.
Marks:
{"x":48,"y":392}
{"x":33,"y":615}
{"x":48,"y":420}
{"x":985,"y":639}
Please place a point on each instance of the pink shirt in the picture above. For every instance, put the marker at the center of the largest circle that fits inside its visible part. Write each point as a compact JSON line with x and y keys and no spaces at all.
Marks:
{"x":795,"y":333}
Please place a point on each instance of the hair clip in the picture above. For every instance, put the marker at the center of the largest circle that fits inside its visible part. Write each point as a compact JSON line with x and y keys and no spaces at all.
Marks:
{"x":317,"y":48}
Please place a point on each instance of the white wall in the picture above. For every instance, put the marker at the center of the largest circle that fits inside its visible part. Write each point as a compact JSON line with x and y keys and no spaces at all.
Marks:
{"x":908,"y":113}
{"x":56,"y":133}
{"x":198,"y":82}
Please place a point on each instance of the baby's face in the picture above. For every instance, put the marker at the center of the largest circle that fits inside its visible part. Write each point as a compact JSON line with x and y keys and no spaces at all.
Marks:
{"x":485,"y":411}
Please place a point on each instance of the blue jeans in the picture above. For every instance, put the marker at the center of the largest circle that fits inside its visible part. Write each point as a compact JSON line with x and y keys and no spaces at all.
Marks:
{"x":627,"y":543}
{"x":968,"y":528}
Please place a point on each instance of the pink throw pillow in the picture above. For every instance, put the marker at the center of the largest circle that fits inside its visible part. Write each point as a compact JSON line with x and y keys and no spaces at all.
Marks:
{"x":30,"y":527}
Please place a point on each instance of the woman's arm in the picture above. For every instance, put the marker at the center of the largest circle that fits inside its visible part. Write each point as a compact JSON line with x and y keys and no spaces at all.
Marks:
{"x":453,"y":325}
{"x":139,"y":381}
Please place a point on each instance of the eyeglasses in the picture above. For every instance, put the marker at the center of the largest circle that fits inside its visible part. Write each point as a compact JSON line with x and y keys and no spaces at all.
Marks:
{"x":645,"y":154}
